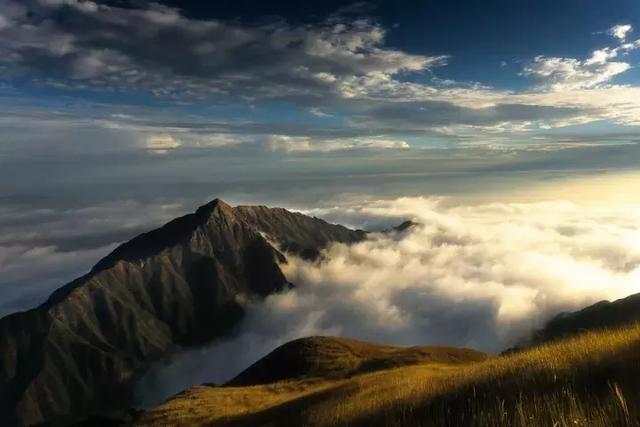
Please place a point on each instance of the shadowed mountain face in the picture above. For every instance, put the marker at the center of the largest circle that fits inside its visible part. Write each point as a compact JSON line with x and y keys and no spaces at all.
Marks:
{"x":602,"y":315}
{"x":177,"y":286}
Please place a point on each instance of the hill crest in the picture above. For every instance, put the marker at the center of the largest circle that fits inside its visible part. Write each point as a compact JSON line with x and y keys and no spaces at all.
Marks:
{"x":335,"y":357}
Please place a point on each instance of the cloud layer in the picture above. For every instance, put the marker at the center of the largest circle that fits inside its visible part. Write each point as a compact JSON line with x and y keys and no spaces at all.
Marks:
{"x":289,"y":144}
{"x":481,"y":276}
{"x":159,"y":49}
{"x":339,"y":70}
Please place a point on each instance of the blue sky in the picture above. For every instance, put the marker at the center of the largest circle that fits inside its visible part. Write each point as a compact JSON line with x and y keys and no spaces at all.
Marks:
{"x":124,"y":93}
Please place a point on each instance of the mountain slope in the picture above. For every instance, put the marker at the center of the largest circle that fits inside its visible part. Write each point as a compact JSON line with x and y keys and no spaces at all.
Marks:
{"x":295,"y":232}
{"x":173,"y":287}
{"x":332,"y":357}
{"x":601,"y":315}
{"x":587,"y":380}
{"x":308,"y":368}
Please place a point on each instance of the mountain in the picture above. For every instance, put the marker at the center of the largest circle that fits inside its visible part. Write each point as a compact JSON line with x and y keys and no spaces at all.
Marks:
{"x":177,"y":286}
{"x":602,"y":315}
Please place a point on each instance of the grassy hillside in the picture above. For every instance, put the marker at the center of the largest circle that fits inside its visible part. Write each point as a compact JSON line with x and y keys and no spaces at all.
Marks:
{"x":588,"y":380}
{"x":334,"y":358}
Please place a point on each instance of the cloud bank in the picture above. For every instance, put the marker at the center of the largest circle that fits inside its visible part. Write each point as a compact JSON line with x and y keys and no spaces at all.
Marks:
{"x":481,"y":276}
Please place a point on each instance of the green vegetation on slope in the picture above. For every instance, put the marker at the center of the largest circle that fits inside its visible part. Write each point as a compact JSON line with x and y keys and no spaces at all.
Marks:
{"x":588,"y":380}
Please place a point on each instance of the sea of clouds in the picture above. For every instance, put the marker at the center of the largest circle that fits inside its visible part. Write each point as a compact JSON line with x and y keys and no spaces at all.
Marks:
{"x":474,"y":275}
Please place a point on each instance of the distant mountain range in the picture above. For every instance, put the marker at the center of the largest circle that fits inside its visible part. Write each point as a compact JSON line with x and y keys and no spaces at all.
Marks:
{"x":174,"y":287}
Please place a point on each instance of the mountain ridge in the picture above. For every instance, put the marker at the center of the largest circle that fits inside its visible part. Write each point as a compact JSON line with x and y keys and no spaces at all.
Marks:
{"x":173,"y":287}
{"x":601,"y":315}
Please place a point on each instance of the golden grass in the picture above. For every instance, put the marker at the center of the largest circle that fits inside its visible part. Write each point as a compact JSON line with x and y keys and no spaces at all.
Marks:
{"x":590,"y":380}
{"x":335,"y":358}
{"x":203,"y":404}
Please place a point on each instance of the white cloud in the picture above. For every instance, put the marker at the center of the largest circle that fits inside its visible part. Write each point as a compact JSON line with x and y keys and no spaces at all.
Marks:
{"x":564,"y":74}
{"x":469,"y":275}
{"x":299,"y":144}
{"x":620,"y":31}
{"x":601,"y":56}
{"x":161,"y":144}
{"x":580,"y":84}
{"x":318,"y":112}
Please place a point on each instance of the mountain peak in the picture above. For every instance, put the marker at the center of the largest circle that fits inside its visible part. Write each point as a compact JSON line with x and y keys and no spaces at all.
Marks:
{"x":173,"y":287}
{"x":215,"y":204}
{"x":168,"y":235}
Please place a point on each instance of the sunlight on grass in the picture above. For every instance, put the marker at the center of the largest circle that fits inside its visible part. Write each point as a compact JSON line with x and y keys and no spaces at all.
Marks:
{"x":590,"y":380}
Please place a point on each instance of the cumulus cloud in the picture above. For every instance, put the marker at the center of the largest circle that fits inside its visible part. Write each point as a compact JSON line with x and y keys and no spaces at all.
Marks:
{"x":620,"y":31}
{"x":562,"y":74}
{"x":481,"y":276}
{"x":569,"y":73}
